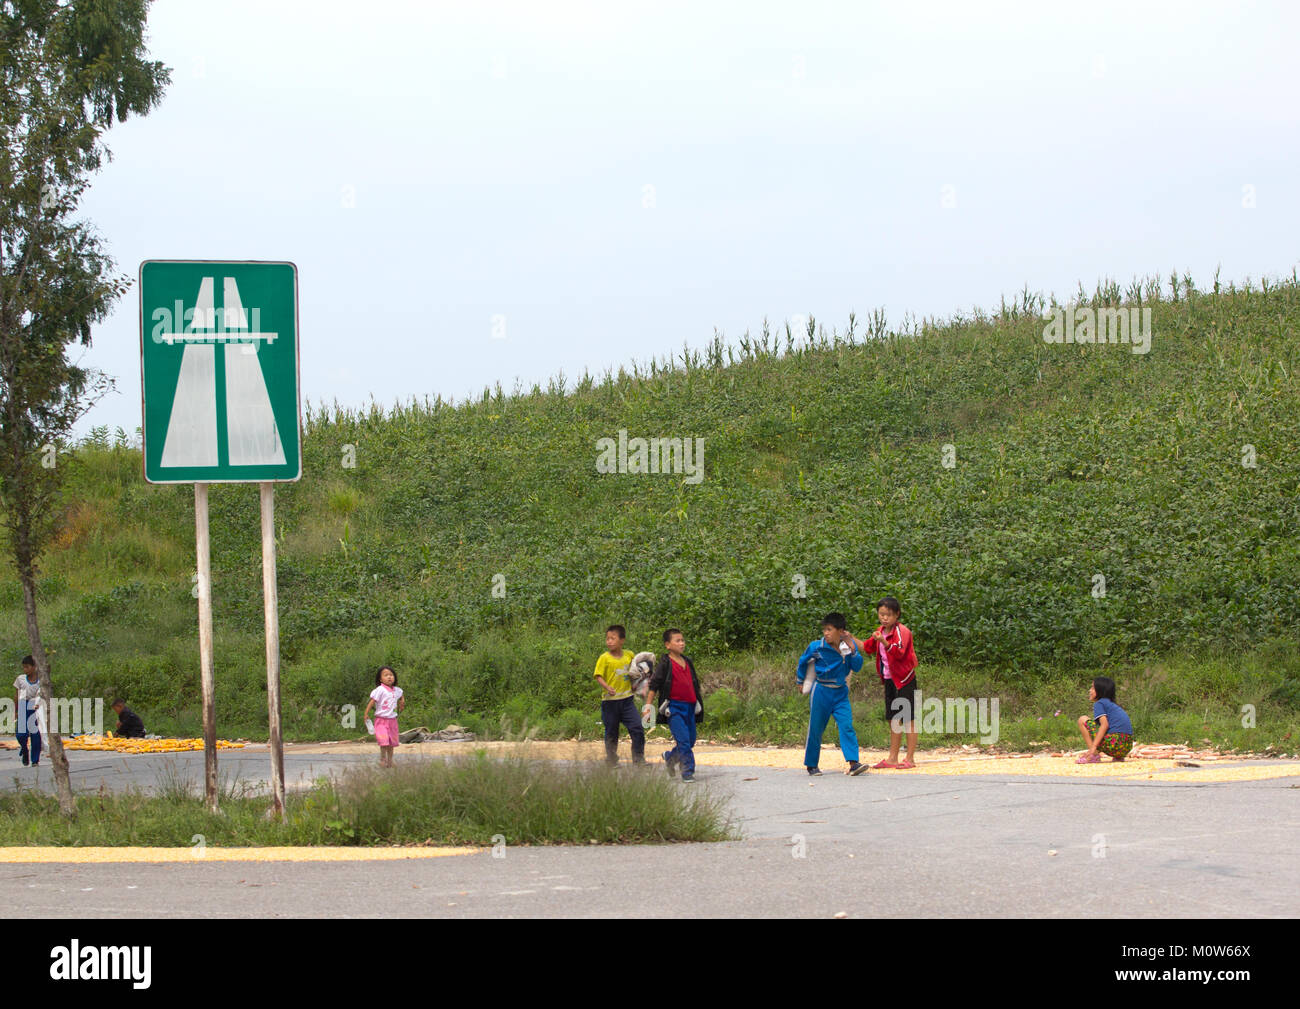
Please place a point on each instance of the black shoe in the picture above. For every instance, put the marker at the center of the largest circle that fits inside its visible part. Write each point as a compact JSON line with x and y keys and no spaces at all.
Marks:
{"x":688,"y":776}
{"x":25,"y":760}
{"x":855,"y":768}
{"x":815,"y":771}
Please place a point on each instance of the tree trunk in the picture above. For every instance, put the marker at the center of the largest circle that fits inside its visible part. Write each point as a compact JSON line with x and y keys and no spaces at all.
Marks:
{"x":62,"y":783}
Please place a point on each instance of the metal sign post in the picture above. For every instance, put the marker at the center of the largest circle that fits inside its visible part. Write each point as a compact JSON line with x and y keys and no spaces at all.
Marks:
{"x":205,"y":645}
{"x":220,"y":397}
{"x":271,"y":600}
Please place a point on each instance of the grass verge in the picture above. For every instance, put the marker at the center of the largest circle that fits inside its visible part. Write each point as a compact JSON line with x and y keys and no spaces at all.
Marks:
{"x":473,"y":800}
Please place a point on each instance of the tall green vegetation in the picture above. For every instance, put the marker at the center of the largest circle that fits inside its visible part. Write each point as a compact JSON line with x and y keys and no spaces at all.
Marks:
{"x":1172,"y":475}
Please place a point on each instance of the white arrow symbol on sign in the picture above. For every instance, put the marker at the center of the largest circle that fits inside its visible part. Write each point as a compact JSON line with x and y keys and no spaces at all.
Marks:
{"x":251,"y":433}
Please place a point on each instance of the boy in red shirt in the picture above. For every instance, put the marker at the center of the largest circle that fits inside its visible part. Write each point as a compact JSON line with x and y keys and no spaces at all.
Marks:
{"x":896,"y":665}
{"x":674,"y":679}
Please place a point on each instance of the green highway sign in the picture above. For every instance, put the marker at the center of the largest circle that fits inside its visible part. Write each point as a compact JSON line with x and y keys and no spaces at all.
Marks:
{"x":219,"y":371}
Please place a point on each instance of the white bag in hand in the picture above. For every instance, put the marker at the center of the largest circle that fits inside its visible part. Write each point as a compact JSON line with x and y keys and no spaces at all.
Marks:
{"x":639,"y":672}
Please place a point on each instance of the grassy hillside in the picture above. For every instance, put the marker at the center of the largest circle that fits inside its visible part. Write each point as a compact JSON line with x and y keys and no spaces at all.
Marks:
{"x":825,"y":486}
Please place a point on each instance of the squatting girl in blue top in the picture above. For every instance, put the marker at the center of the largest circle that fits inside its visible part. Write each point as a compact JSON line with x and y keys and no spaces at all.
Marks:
{"x":1109,"y":730}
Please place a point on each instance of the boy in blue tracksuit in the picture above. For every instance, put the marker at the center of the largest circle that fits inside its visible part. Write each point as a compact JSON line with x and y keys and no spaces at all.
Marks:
{"x":835,"y":657}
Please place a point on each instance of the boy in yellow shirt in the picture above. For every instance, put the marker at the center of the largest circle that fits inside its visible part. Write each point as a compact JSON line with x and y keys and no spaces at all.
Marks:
{"x":617,"y":706}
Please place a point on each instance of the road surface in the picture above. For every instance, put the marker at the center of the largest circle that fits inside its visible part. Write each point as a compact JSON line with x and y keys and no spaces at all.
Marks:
{"x":914,"y":843}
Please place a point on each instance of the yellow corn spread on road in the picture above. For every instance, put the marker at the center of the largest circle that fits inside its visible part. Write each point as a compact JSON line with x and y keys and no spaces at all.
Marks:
{"x":121,"y":745}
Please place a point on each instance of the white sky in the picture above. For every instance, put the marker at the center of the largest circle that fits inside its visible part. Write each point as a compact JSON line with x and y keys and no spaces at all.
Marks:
{"x":498,"y":156}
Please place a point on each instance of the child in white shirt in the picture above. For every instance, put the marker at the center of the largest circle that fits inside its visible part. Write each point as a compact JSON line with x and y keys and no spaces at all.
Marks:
{"x":30,"y":711}
{"x":387,"y":700}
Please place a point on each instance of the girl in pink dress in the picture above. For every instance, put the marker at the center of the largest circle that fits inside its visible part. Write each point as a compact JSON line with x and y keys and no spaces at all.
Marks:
{"x":387,"y":700}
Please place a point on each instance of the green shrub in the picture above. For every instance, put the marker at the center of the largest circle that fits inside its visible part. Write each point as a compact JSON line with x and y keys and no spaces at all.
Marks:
{"x":574,"y":723}
{"x":724,"y":709}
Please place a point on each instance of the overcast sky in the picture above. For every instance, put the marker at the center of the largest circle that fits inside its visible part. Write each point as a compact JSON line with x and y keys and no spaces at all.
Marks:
{"x":609,"y":180}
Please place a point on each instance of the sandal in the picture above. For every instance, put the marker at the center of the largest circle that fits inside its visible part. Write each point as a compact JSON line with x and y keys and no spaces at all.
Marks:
{"x":904,"y":765}
{"x":883,"y":765}
{"x":1089,"y":758}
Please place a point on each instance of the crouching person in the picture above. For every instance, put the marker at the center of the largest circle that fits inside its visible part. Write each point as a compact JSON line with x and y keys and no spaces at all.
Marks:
{"x":676,"y":684}
{"x":129,"y":724}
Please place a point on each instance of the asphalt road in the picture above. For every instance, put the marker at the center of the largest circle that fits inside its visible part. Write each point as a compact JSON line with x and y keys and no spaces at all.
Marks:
{"x":247,"y":770}
{"x":879,"y":845}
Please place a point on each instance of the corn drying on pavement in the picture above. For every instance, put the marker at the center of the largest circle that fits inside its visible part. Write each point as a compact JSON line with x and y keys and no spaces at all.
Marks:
{"x":121,"y":744}
{"x":946,"y":762}
{"x":1177,"y":764}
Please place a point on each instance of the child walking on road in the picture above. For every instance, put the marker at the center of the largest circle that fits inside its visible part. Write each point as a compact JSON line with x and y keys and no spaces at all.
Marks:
{"x":675,"y":682}
{"x":387,"y":700}
{"x":617,"y":707}
{"x":27,"y":705}
{"x":835,"y":657}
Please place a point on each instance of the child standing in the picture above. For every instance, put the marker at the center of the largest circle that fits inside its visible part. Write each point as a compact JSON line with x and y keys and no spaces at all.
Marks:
{"x":1110,"y":723}
{"x":617,"y":707}
{"x":896,"y":666}
{"x":387,"y":701}
{"x":835,"y":657}
{"x":675,"y":681}
{"x":27,"y":704}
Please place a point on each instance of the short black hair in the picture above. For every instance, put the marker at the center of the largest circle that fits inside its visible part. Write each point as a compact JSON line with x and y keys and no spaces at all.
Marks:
{"x":116,"y":701}
{"x":668,"y":634}
{"x":28,"y":661}
{"x":835,"y":620}
{"x":891,"y":604}
{"x":379,"y":675}
{"x":1105,"y":688}
{"x":618,"y":629}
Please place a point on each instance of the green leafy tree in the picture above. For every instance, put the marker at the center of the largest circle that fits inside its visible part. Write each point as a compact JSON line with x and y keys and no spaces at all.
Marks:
{"x":68,"y":71}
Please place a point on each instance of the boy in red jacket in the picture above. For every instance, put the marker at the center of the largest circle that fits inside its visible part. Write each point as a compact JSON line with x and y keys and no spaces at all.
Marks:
{"x":896,"y":666}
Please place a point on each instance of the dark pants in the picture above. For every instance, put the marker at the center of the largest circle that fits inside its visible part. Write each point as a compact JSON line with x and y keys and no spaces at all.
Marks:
{"x":681,"y":723}
{"x":35,"y":738}
{"x":28,"y":730}
{"x":623,"y":712}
